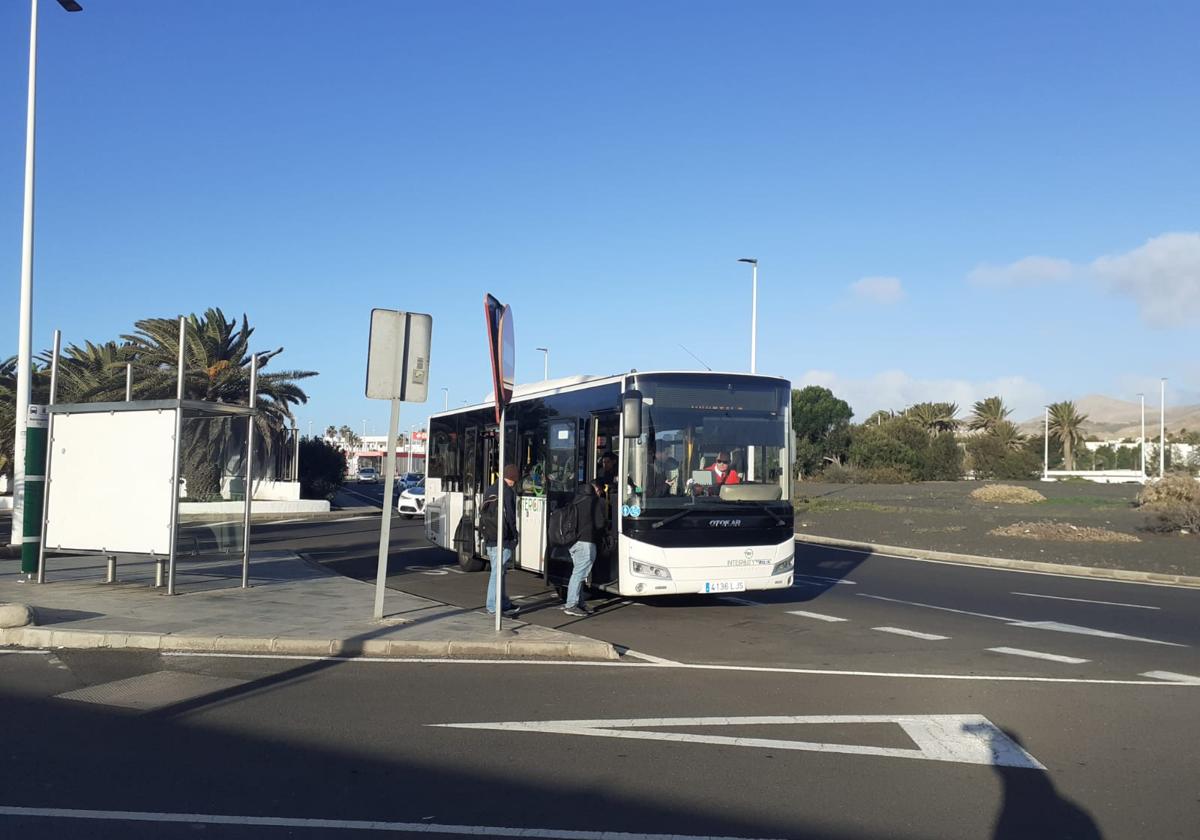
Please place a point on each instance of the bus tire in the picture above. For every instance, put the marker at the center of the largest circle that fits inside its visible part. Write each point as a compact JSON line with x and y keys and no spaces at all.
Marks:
{"x":464,"y":547}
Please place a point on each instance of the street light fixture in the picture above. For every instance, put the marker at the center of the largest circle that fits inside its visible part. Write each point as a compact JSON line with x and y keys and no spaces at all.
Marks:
{"x":545,"y":361}
{"x":25,"y":328}
{"x":445,"y":398}
{"x":753,"y":263}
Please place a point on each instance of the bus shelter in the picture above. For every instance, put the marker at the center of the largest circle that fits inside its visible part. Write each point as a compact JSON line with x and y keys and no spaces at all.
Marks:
{"x":122,"y":476}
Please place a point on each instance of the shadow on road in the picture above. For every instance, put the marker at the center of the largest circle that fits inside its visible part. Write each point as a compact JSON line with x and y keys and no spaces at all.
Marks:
{"x":215,"y":765}
{"x":1032,"y":807}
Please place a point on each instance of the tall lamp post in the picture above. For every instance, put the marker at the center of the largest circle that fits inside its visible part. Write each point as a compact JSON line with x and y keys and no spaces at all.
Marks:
{"x":1142,"y":439}
{"x":545,"y":361}
{"x":25,"y":328}
{"x":1162,"y":426}
{"x":445,"y":398}
{"x":753,"y":263}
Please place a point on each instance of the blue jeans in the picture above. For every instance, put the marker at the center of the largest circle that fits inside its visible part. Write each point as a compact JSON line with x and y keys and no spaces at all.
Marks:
{"x":583,"y":555}
{"x":492,"y":576}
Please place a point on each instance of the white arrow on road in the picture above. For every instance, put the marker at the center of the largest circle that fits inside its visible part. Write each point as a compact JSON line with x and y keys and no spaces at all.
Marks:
{"x":965,"y":739}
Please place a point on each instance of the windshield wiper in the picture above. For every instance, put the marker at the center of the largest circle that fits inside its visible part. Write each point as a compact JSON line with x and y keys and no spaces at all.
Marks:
{"x":762,"y":506}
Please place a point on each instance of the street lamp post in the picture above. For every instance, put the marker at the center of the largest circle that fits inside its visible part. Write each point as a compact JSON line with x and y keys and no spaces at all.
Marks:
{"x":753,"y":263}
{"x":1142,"y":439}
{"x":1162,"y":426}
{"x":545,"y":361}
{"x":25,"y":323}
{"x":445,"y":398}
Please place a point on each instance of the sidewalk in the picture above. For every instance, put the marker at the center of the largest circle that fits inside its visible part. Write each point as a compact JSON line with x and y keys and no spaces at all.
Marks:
{"x":291,"y":607}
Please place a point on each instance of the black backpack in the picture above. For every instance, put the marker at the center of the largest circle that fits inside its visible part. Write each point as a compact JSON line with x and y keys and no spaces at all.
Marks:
{"x":487,"y":522}
{"x":564,"y":525}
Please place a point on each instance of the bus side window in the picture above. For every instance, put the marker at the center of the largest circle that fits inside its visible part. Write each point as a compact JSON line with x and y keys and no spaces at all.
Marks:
{"x":561,"y":457}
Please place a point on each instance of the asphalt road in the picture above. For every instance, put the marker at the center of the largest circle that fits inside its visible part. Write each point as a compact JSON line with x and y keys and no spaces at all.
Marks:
{"x":646,"y":749}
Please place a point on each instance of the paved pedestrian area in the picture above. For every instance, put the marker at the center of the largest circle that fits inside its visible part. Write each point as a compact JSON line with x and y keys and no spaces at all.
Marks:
{"x":291,"y":606}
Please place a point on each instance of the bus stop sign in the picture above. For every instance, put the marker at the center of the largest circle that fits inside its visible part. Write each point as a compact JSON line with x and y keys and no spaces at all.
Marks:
{"x":398,"y":356}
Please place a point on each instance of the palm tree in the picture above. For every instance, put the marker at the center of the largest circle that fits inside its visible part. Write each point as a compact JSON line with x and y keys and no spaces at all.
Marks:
{"x":988,"y":413}
{"x":934,"y":417}
{"x":1065,"y":424}
{"x":1008,"y":434}
{"x":217,"y":362}
{"x":92,"y":372}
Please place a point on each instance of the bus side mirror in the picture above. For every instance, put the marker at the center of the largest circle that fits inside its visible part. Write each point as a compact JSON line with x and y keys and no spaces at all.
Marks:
{"x":631,"y":413}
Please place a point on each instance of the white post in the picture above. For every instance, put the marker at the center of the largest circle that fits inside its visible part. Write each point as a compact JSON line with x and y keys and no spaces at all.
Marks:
{"x":1142,"y":439}
{"x":128,"y":382}
{"x":411,"y":429}
{"x":1162,"y":427}
{"x":249,"y":473}
{"x":25,"y":328}
{"x":385,"y":527}
{"x":498,"y":565}
{"x":545,"y":362}
{"x":296,"y":455}
{"x":445,"y":399}
{"x":1046,"y":448}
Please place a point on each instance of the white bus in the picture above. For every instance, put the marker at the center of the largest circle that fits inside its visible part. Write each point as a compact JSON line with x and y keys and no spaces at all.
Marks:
{"x":679,"y":522}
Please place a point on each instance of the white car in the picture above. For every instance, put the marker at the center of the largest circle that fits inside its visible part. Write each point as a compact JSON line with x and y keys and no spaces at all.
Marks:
{"x":368,"y":474}
{"x":412,"y":502}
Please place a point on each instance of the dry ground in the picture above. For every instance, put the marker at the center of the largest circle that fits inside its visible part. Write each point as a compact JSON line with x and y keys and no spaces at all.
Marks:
{"x":942,"y":516}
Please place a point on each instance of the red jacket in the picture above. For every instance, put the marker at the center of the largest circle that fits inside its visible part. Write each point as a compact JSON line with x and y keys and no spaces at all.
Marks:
{"x":731,"y":476}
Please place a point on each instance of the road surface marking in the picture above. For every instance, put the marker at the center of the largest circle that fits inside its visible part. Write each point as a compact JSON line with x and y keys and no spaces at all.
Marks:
{"x":282,"y":521}
{"x":354,"y":518}
{"x":1035,"y":654}
{"x":934,"y":607}
{"x":1089,"y":631}
{"x":1056,"y":626}
{"x":963,"y":739}
{"x":817,"y":616}
{"x":645,"y":657}
{"x":931,"y":637}
{"x":43,"y":652}
{"x":683,"y":666}
{"x":1086,"y":601}
{"x":821,"y":579}
{"x":745,"y":602}
{"x":341,"y":825}
{"x":1171,"y":676}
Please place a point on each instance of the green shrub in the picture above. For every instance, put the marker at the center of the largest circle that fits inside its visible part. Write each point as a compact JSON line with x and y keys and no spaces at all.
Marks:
{"x":322,"y":469}
{"x":990,"y":458}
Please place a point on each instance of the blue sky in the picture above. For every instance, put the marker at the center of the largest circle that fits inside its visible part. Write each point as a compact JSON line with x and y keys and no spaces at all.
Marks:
{"x":947,"y":200}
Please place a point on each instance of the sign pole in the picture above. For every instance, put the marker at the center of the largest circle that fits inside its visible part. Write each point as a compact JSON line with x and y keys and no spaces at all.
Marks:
{"x":498,"y":565}
{"x":385,"y":529}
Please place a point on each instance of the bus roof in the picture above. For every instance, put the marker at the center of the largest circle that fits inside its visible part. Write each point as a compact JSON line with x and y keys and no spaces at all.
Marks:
{"x":571,"y":383}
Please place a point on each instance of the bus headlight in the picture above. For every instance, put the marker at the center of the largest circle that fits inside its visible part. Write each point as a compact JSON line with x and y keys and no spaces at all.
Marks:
{"x":648,"y":570}
{"x":784,"y":566}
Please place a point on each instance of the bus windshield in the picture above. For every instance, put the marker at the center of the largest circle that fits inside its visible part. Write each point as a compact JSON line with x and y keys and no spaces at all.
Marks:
{"x":707,"y":443}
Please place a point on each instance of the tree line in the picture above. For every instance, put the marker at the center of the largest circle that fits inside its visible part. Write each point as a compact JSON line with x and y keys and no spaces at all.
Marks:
{"x":928,"y":441}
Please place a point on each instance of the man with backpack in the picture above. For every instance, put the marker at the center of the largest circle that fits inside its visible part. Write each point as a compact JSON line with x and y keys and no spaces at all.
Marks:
{"x":487,"y":521}
{"x":591,"y":522}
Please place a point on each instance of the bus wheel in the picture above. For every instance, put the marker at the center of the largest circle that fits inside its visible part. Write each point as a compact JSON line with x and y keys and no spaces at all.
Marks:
{"x":464,"y":547}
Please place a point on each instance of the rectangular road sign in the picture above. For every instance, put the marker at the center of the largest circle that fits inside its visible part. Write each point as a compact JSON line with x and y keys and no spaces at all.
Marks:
{"x":398,"y":356}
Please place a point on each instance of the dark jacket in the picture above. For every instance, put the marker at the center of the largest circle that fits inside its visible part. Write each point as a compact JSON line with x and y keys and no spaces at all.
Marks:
{"x":510,"y":515}
{"x":593,"y":515}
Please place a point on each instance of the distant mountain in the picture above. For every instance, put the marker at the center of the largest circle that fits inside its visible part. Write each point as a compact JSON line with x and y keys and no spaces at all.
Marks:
{"x":1113,"y":418}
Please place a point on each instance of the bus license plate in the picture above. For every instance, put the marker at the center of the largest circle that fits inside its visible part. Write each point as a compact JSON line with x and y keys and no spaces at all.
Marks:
{"x":725,"y":586}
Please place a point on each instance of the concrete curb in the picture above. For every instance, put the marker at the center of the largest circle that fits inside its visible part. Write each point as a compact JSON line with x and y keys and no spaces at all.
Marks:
{"x":45,"y":637}
{"x":1002,"y":563}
